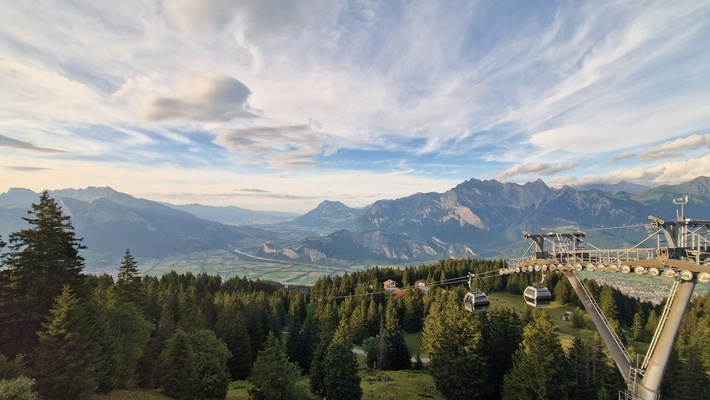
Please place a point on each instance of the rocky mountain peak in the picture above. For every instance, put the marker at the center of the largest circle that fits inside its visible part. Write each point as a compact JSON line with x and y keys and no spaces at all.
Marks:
{"x":19,"y":196}
{"x":89,"y":194}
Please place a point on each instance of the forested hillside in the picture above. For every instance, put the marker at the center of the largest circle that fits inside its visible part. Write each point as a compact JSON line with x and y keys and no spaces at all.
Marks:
{"x":67,"y":335}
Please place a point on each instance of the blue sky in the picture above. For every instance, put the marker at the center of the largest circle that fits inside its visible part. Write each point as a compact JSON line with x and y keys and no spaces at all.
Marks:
{"x":278,"y":105}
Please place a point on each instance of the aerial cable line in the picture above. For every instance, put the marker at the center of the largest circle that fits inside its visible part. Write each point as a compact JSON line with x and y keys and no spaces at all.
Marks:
{"x":451,"y":281}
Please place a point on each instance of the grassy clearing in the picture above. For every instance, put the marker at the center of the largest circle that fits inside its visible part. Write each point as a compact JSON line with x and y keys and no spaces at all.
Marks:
{"x":375,"y":385}
{"x":238,"y":390}
{"x":414,"y":343}
{"x":395,"y":385}
{"x":504,"y":299}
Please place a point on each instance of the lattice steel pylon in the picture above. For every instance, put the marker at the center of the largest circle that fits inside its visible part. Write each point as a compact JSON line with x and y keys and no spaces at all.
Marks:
{"x":682,"y":252}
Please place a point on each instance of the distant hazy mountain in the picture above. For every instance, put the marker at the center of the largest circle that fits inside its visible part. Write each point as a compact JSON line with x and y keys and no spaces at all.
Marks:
{"x":110,"y":222}
{"x":330,"y":215}
{"x":233,"y":215}
{"x":18,"y":196}
{"x":622,"y":186}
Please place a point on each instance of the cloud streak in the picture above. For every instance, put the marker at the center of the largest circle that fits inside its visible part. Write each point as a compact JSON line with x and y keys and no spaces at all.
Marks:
{"x":24,"y":168}
{"x":672,"y":172}
{"x":534,"y":169}
{"x":667,"y":149}
{"x":19,"y":144}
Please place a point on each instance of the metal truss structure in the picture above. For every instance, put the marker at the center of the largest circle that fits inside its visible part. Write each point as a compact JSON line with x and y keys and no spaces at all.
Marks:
{"x":681,"y":252}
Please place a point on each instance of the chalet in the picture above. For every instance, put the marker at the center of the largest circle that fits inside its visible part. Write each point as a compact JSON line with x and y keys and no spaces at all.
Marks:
{"x":423,"y":286}
{"x":421,"y":283}
{"x":390,"y":285}
{"x":399,"y":293}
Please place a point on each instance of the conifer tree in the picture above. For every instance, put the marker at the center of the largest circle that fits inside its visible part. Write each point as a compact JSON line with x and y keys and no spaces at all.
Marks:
{"x":128,"y":271}
{"x":178,"y":368}
{"x":608,"y":304}
{"x":589,"y":369}
{"x":685,"y":378}
{"x":194,"y":366}
{"x":231,"y":327}
{"x":538,"y":365}
{"x":273,"y":375}
{"x":19,"y":388}
{"x":413,"y":311}
{"x":317,"y":371}
{"x":148,"y":366}
{"x":129,"y":281}
{"x":129,"y":336}
{"x":341,"y":379}
{"x":358,"y":323}
{"x":42,"y":259}
{"x":393,"y":348}
{"x":66,"y":359}
{"x":190,"y":313}
{"x":651,"y":323}
{"x":371,"y":346}
{"x":638,"y":327}
{"x":453,"y":339}
{"x":373,"y":318}
{"x":563,"y":291}
{"x":211,"y":355}
{"x":502,"y":332}
{"x":577,"y":318}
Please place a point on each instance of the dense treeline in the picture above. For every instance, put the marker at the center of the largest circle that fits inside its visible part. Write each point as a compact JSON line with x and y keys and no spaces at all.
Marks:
{"x":76,"y":334}
{"x":68,"y":335}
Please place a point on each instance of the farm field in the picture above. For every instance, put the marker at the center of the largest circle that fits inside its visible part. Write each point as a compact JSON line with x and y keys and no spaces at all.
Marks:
{"x":227,"y":264}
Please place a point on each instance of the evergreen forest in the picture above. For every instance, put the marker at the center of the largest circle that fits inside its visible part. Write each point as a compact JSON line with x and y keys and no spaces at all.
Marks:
{"x":68,"y":335}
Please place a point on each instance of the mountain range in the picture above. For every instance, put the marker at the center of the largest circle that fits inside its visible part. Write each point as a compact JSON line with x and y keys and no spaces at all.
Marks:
{"x":486,"y":218}
{"x":477,"y":218}
{"x":110,"y":221}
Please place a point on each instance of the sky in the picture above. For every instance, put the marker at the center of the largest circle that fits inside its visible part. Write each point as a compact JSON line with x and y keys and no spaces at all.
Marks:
{"x":278,"y":104}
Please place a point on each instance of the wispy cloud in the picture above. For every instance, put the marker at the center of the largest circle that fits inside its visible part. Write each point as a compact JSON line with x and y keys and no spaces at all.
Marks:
{"x":19,"y":144}
{"x":623,"y":156}
{"x":535,"y":169}
{"x":253,"y":190}
{"x":672,"y":172}
{"x":23,"y":168}
{"x":667,"y":149}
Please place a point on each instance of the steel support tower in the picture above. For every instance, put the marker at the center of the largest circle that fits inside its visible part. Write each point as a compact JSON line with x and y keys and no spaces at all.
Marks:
{"x":682,"y":253}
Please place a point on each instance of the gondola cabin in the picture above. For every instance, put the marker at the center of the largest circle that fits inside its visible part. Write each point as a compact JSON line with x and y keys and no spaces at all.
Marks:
{"x":537,"y":296}
{"x":476,"y":301}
